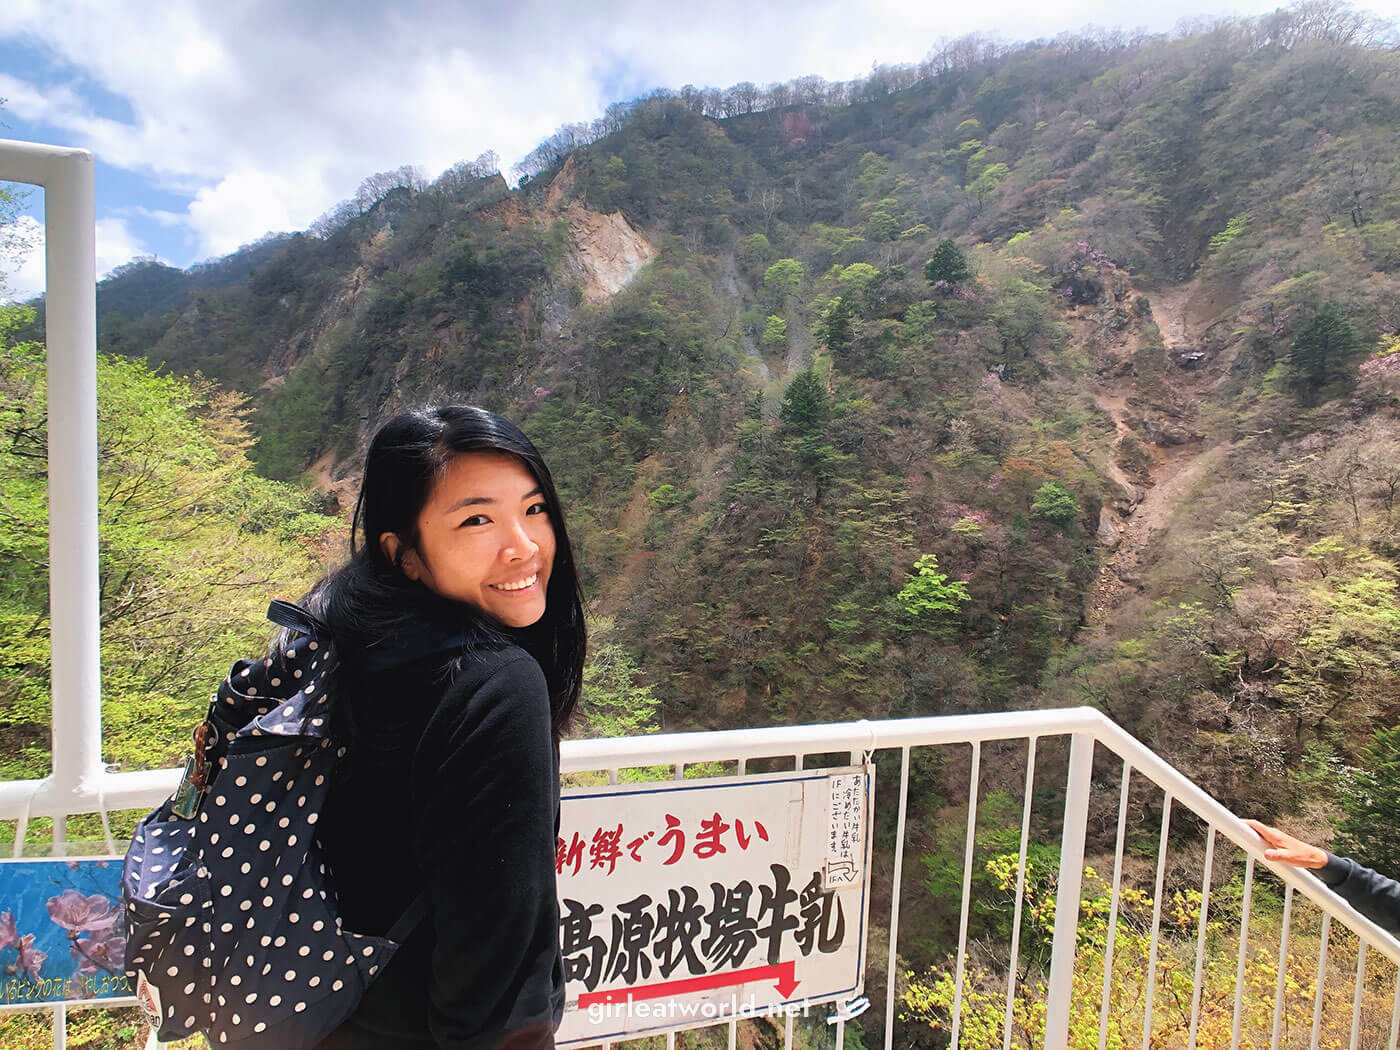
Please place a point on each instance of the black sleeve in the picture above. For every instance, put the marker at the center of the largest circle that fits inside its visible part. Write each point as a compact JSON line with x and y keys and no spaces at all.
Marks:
{"x":1369,"y":892}
{"x":489,"y":788}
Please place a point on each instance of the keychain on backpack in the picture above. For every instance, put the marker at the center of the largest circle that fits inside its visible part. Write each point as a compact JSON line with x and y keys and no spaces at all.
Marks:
{"x":195,"y":779}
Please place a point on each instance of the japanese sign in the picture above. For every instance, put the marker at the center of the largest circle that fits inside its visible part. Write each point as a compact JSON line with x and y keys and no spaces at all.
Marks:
{"x":683,"y":903}
{"x":61,"y":931}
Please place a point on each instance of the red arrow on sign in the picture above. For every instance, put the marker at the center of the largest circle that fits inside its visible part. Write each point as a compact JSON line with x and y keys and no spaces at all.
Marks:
{"x":782,"y":973}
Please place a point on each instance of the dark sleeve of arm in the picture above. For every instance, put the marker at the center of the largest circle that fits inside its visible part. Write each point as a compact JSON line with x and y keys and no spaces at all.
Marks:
{"x":1369,"y":892}
{"x":489,"y":787}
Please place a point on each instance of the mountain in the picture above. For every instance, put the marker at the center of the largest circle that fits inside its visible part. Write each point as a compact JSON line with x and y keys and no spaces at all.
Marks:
{"x":1059,"y":373}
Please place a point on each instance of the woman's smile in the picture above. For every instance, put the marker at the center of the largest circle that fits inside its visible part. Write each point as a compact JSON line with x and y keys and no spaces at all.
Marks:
{"x":518,"y":586}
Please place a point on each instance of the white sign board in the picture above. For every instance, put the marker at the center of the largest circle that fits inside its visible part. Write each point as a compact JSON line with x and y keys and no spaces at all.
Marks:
{"x":683,"y":903}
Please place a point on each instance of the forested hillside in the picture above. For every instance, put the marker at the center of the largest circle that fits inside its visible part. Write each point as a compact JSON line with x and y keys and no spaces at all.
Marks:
{"x":1064,"y":373}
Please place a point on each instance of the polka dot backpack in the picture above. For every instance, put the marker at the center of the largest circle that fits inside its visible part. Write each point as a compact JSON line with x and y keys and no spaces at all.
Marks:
{"x":232,"y":923}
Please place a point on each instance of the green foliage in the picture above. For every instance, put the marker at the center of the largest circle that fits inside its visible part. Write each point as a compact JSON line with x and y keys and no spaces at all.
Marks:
{"x":614,"y":702}
{"x":1236,"y":226}
{"x":835,"y":326}
{"x":1369,"y":827}
{"x":992,"y":890}
{"x":948,"y":265}
{"x":1053,"y":502}
{"x":987,"y":180}
{"x":774,"y":331}
{"x":929,"y":600}
{"x":1324,"y":351}
{"x":920,"y":322}
{"x":1144,"y":931}
{"x":859,"y":280}
{"x":806,"y":406}
{"x":756,"y":250}
{"x":784,"y":278}
{"x":192,"y":546}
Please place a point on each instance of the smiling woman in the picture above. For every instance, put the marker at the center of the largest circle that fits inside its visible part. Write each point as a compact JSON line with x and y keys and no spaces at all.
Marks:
{"x":460,"y":626}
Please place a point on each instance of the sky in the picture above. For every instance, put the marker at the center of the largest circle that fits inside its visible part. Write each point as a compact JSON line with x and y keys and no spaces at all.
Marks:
{"x":214,"y":124}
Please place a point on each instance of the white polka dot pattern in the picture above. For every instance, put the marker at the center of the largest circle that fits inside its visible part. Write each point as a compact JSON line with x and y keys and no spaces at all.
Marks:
{"x":256,"y":952}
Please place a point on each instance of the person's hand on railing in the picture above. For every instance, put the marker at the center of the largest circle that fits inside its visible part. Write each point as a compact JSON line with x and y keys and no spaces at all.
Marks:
{"x":1285,"y":849}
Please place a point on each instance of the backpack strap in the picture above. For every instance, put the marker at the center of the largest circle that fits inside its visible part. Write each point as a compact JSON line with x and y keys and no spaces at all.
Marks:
{"x":412,"y":917}
{"x":294,"y":617}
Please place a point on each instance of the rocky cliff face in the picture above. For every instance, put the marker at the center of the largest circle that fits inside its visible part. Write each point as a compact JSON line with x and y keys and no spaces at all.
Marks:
{"x":607,"y":254}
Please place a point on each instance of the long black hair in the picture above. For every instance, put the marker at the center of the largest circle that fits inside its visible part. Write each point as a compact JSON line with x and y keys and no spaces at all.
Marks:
{"x":369,"y":599}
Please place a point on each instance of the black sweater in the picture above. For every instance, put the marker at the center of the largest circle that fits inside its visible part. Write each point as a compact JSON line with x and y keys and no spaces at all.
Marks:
{"x":452,"y":783}
{"x":1370,"y":893}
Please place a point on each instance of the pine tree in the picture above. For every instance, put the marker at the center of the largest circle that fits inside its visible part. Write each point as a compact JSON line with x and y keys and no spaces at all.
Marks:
{"x":1324,"y":350}
{"x":805,"y":406}
{"x":948,"y":265}
{"x":834,"y":328}
{"x":1369,"y":829}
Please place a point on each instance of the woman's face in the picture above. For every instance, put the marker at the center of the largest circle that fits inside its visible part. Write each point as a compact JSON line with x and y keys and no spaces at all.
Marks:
{"x":485,"y":538}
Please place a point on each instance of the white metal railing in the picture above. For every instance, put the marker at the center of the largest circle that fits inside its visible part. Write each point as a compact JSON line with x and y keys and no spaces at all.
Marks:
{"x":1094,"y":740}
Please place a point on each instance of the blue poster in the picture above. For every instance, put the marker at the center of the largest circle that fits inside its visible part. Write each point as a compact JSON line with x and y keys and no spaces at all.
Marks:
{"x":62,"y":935}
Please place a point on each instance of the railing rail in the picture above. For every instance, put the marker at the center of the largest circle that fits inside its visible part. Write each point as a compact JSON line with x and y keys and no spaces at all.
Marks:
{"x":1092,"y":737}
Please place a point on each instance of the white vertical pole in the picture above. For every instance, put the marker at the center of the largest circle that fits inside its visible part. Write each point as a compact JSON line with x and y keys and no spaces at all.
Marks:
{"x":890,"y":972}
{"x":1282,"y":983}
{"x":1081,"y":764}
{"x":1321,"y":980}
{"x":1244,"y":952}
{"x":968,"y":849}
{"x":1156,"y":920}
{"x":1114,"y":900}
{"x":71,"y":315}
{"x":1395,"y":1016}
{"x":1360,"y":988}
{"x":1020,"y":895}
{"x":1201,"y":940}
{"x":71,"y":318}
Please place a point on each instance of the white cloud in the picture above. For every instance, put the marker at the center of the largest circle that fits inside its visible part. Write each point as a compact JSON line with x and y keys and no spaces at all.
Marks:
{"x":116,"y":244}
{"x":267,"y":113}
{"x":25,"y":279}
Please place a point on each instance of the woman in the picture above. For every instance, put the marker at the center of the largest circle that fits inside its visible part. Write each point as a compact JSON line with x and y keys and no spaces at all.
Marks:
{"x":1370,"y":893}
{"x":461,"y":634}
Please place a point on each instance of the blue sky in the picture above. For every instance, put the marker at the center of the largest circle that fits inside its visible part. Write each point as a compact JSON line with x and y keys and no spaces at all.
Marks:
{"x":213,"y":124}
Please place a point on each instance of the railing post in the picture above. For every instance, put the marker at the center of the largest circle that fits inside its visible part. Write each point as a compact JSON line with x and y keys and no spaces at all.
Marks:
{"x":70,"y":314}
{"x":1081,"y":763}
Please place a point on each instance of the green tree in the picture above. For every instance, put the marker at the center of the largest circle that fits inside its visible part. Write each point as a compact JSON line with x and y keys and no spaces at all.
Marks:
{"x":929,"y":600}
{"x":806,"y":407}
{"x":948,"y":264}
{"x":756,"y":250}
{"x":859,"y":280}
{"x":784,"y":278}
{"x":986,"y":181}
{"x":774,"y":331}
{"x":1055,"y":503}
{"x":834,"y":328}
{"x":1369,"y":828}
{"x":881,"y":226}
{"x":1324,"y":350}
{"x":614,"y":702}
